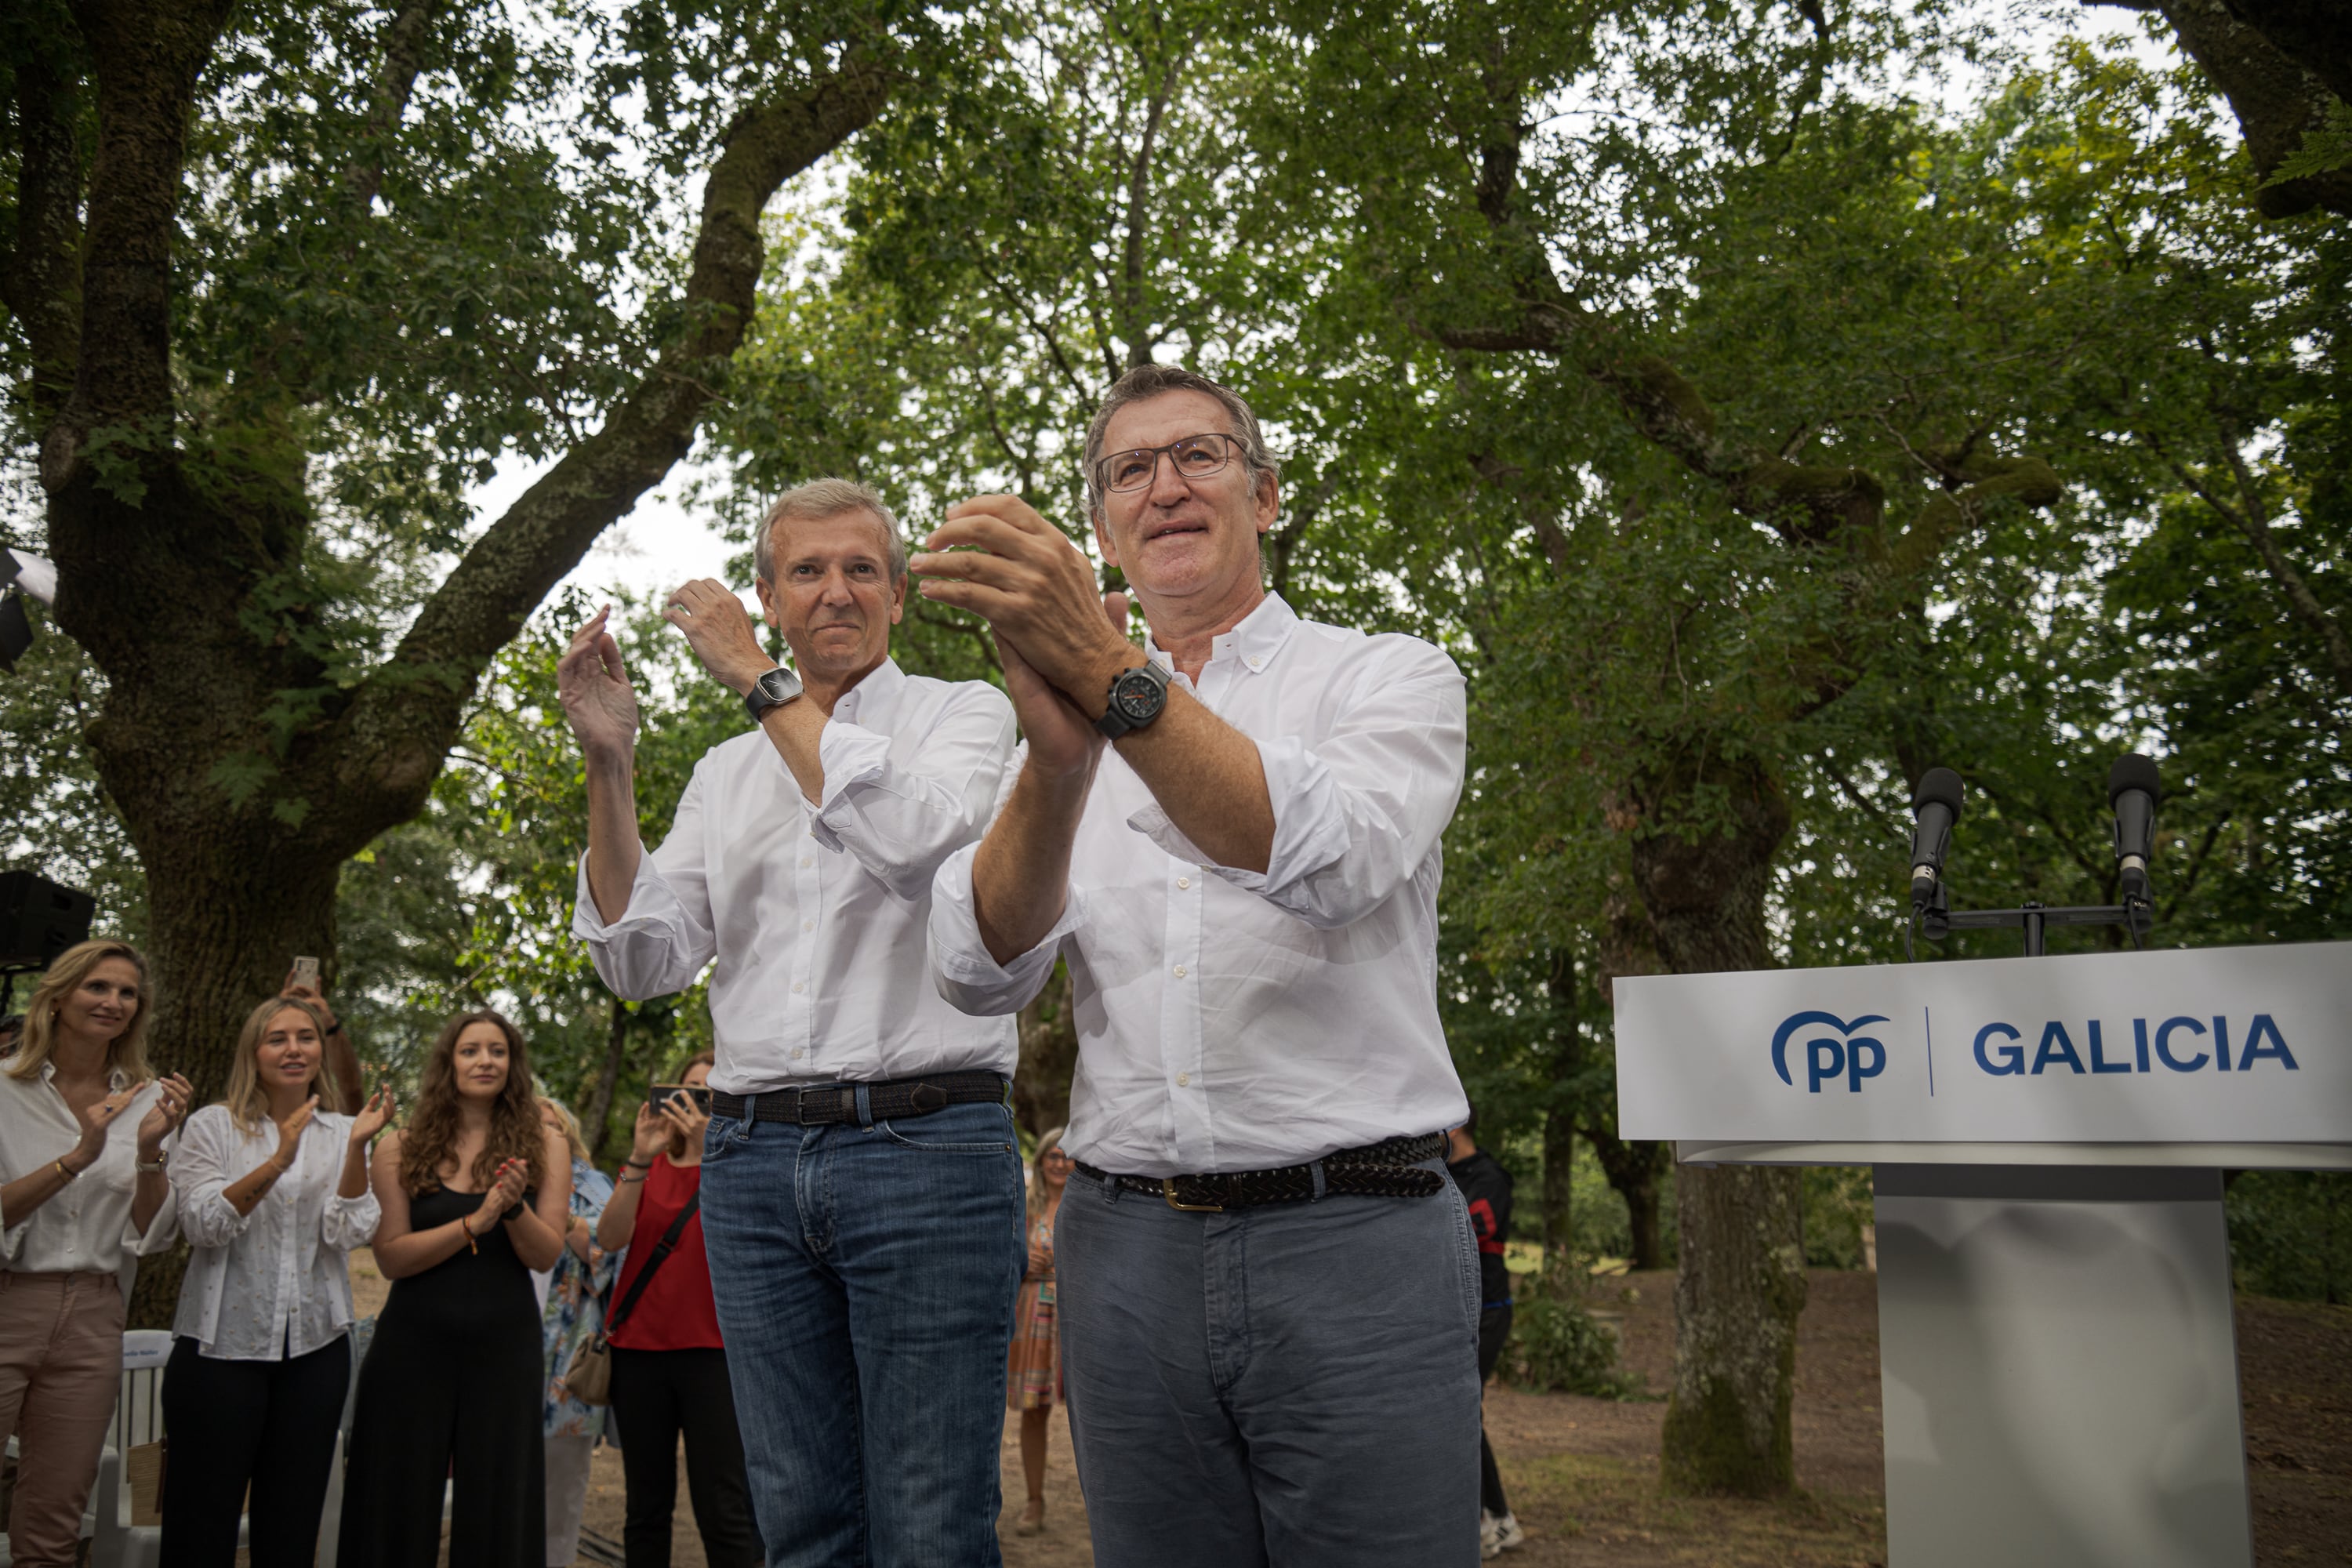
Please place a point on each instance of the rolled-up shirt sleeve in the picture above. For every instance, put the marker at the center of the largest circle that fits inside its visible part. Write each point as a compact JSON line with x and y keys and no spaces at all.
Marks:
{"x":347,"y":1222}
{"x":900,"y":820}
{"x":968,"y":977}
{"x":200,"y":1181}
{"x":1356,"y":816}
{"x":663,"y":940}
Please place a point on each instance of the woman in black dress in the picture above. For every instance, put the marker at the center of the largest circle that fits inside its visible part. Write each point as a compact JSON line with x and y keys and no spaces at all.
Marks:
{"x":475,"y":1194}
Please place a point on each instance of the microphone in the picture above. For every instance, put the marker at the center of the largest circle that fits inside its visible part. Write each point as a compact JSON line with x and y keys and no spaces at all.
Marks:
{"x":1936,"y":805}
{"x":2132,"y":789}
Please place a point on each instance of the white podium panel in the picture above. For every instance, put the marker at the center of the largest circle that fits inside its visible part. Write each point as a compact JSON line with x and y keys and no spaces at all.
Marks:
{"x":2246,"y":1046}
{"x":2042,"y":1344}
{"x":2058,"y":1355}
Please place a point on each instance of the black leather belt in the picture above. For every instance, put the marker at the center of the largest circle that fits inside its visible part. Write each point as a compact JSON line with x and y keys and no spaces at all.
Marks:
{"x":892,"y":1099}
{"x":1388,"y":1169}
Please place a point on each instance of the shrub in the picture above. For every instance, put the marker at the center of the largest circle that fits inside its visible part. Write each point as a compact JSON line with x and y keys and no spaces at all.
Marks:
{"x":1557,"y":1347}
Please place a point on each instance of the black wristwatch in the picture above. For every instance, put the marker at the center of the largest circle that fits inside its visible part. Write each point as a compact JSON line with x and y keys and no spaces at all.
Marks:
{"x":1137,"y":694}
{"x":516,"y":1212}
{"x":774,"y":689}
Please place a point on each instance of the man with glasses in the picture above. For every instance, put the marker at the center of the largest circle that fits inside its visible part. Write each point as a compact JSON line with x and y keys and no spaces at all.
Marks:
{"x":1268,"y":1289}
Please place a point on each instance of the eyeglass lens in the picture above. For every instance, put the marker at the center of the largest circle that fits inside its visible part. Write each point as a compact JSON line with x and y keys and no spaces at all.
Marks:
{"x":1195,"y":456}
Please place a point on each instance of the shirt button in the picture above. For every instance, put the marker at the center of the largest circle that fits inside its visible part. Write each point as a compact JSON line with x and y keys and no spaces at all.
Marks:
{"x":1183,"y":1080}
{"x":807,"y":862}
{"x":808,"y":925}
{"x":798,"y":987}
{"x":1183,"y":882}
{"x":1179,"y":971}
{"x":798,"y":1053}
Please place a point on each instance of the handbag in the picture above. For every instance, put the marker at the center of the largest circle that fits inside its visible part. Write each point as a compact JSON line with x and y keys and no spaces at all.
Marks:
{"x":589,"y":1376}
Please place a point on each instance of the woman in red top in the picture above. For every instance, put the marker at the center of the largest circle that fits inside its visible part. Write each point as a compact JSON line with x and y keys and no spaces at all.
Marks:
{"x":669,"y":1366}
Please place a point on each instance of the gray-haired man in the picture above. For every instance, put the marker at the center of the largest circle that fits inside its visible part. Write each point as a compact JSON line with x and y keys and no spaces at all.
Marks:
{"x":861,"y":1197}
{"x":1268,"y":1289}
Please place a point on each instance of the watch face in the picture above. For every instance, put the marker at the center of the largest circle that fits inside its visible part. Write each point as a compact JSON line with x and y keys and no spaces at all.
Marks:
{"x":1137,"y":696}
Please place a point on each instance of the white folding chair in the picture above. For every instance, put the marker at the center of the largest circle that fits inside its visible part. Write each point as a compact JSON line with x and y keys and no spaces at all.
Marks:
{"x":114,"y":1541}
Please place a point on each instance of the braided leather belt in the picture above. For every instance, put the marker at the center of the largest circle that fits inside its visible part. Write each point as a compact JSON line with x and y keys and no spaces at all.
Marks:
{"x":1388,"y":1169}
{"x":893,"y":1100}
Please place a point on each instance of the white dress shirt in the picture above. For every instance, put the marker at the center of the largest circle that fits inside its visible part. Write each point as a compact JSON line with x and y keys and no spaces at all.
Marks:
{"x":276,"y":1281}
{"x":816,"y":913}
{"x":1233,"y":1020}
{"x":87,"y":1227}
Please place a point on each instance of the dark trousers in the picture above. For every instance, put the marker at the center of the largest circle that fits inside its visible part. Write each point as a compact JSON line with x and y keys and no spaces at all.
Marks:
{"x":658,"y":1396}
{"x":1494,"y":1327}
{"x":268,"y":1424}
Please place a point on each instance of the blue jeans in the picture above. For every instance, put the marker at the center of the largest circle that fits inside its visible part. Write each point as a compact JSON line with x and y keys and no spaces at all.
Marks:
{"x":865,"y":1277}
{"x":1294,"y":1386}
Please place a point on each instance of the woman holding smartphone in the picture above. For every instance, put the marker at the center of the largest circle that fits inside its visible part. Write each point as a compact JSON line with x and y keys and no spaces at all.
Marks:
{"x":273,"y":1190}
{"x":669,"y":1365}
{"x":476,"y":1193}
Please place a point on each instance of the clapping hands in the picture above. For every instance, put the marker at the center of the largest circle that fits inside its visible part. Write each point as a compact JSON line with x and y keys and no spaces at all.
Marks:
{"x":504,"y":1193}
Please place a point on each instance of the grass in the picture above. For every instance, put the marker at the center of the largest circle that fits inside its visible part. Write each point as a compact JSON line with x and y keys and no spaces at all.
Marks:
{"x":1605,"y":1503}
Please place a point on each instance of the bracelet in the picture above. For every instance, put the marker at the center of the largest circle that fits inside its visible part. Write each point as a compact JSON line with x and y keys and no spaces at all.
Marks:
{"x":67,"y":1171}
{"x":636,"y":1164}
{"x":473,"y":1244}
{"x":144,"y":1169}
{"x":514,"y":1211}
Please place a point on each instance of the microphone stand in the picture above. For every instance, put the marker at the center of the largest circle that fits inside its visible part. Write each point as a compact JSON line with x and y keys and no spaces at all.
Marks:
{"x":1936,"y":920}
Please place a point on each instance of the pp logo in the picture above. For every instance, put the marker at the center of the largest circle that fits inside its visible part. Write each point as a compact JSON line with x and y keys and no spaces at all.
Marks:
{"x":1831,"y":1057}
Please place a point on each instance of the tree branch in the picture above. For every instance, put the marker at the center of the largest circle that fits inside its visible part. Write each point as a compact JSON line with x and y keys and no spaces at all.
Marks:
{"x":146,"y":58}
{"x":1138,"y":200}
{"x":40,"y":282}
{"x":404,"y":56}
{"x":395,"y":730}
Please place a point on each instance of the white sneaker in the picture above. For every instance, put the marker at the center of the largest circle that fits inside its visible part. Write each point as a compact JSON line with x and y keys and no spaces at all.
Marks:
{"x":1490,"y":1542}
{"x":1507,"y":1533}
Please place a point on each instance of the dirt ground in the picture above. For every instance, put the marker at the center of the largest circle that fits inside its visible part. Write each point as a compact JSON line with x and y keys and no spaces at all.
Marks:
{"x":1581,"y":1473}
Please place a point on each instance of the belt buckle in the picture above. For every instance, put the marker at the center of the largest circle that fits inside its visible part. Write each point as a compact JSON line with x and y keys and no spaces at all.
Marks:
{"x":1167,"y":1191}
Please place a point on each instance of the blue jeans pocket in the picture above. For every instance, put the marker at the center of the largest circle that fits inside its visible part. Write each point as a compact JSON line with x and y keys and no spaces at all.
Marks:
{"x":723,"y":1137}
{"x":961,"y":1129}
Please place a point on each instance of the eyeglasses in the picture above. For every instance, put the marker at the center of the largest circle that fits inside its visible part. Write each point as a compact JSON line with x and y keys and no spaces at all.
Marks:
{"x":1195,"y":456}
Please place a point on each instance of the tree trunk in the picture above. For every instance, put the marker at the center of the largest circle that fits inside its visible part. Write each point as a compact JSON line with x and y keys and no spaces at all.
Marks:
{"x":1742,"y":1280}
{"x":1559,"y":1212}
{"x":1049,"y":1059}
{"x":1632,"y":1170}
{"x":598,"y":1119}
{"x":1736,"y":1303}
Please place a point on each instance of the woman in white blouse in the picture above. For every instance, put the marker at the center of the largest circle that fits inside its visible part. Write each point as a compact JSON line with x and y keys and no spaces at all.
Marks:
{"x":273,"y":1195}
{"x":78,"y":1200}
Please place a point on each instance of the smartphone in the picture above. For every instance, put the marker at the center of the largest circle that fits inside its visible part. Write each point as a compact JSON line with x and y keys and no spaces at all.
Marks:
{"x":658,"y":1095}
{"x":306,"y":973}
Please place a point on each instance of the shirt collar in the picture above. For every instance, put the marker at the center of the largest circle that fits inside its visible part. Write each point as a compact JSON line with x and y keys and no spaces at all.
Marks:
{"x":117,"y":1080}
{"x":1256,"y":638}
{"x":870,"y":700}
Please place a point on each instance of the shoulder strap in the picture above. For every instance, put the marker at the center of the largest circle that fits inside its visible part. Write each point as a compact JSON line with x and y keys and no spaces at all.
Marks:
{"x":662,"y":1249}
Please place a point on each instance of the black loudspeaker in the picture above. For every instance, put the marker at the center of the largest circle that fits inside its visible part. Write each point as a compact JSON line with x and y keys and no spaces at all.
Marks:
{"x":39,"y":920}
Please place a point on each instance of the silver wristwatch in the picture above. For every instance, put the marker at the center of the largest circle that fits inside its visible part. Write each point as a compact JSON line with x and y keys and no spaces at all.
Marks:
{"x":774,"y":689}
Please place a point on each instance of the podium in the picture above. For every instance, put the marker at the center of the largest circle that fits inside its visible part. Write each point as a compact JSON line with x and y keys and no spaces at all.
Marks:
{"x":2057,"y":1350}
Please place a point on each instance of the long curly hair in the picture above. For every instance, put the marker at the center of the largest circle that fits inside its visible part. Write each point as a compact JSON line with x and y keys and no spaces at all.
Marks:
{"x":428,"y":1140}
{"x":248,"y":1100}
{"x":127,"y":1053}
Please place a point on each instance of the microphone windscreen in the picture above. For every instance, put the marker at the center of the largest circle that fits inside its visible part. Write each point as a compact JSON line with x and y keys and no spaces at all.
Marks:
{"x":1940,"y":786}
{"x":2131,"y":771}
